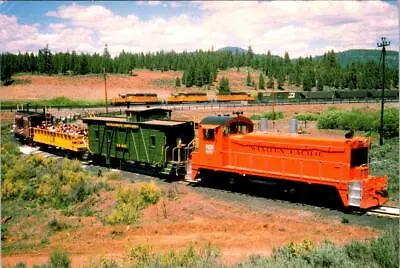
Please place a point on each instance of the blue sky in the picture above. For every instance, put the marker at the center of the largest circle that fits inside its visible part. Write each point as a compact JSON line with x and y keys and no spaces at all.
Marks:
{"x":30,"y":12}
{"x":302,"y":28}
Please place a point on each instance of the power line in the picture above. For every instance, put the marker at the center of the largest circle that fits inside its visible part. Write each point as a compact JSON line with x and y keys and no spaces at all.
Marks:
{"x":383,"y":44}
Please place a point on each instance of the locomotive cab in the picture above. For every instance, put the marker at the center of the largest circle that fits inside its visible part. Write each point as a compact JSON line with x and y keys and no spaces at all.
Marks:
{"x":214,"y":132}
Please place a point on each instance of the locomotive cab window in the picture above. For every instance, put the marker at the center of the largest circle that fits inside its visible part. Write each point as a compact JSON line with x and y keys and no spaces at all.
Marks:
{"x":209,"y":133}
{"x":359,"y":156}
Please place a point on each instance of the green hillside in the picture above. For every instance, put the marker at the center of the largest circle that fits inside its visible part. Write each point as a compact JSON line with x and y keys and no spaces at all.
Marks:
{"x":363,"y":55}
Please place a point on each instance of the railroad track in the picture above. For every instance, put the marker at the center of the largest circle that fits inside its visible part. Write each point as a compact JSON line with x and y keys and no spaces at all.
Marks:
{"x":383,"y":211}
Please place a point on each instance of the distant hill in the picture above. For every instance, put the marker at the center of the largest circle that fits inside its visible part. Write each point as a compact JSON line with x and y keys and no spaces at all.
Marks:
{"x":233,"y":49}
{"x":364,"y":55}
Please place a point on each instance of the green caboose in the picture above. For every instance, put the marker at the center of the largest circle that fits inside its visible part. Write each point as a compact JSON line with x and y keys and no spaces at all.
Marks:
{"x":162,"y":145}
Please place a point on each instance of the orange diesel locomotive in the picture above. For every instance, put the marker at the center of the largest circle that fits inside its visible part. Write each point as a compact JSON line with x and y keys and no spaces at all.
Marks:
{"x":228,"y":145}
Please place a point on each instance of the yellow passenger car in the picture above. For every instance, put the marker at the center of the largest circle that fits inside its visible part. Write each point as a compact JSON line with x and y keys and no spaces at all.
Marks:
{"x":75,"y":143}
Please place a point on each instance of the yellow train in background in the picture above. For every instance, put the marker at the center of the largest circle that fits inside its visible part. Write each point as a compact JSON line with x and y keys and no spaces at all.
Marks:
{"x":181,"y":97}
{"x":137,"y":98}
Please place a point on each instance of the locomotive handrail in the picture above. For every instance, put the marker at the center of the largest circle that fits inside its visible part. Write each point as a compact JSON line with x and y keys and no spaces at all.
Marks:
{"x":173,"y":154}
{"x":165,"y":155}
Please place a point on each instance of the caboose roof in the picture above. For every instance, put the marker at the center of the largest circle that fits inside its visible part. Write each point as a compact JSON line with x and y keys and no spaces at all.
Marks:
{"x":146,"y":110}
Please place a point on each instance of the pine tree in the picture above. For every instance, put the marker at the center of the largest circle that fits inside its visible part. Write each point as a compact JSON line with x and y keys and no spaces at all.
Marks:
{"x":184,"y":77}
{"x":84,"y":65}
{"x":261,"y":82}
{"x":270,"y":83}
{"x":33,"y":64}
{"x":308,"y":80}
{"x":224,"y":86}
{"x":45,"y":60}
{"x":248,"y":79}
{"x":6,"y":68}
{"x":177,"y":82}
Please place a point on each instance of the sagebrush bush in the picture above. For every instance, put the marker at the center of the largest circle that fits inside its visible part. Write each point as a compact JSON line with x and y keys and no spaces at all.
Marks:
{"x":33,"y":177}
{"x":59,"y":260}
{"x":150,"y":193}
{"x":131,"y":202}
{"x":143,"y":256}
{"x":380,"y":252}
{"x":128,"y":209}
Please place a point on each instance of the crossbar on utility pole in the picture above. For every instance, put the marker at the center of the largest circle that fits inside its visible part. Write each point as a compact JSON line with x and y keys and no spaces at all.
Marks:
{"x":383,"y":45}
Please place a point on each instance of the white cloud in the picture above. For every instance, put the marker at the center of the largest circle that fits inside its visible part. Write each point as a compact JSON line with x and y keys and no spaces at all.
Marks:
{"x":174,"y":4}
{"x":154,"y":3}
{"x":302,"y":28}
{"x":149,"y":3}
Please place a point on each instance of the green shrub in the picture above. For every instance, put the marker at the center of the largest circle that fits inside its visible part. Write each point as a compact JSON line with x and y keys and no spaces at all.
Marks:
{"x":269,"y":115}
{"x":143,"y":256}
{"x":385,"y":249}
{"x":384,"y":160}
{"x":59,"y":260}
{"x":306,"y":117}
{"x":32,"y":177}
{"x":360,"y":120}
{"x":359,"y":251}
{"x":150,"y":193}
{"x":20,"y":265}
{"x":128,"y":209}
{"x":380,"y":252}
{"x":56,"y":225}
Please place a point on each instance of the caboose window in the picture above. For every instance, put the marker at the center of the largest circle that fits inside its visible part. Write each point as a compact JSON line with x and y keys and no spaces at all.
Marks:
{"x":359,"y":156}
{"x":152,"y":141}
{"x":209,"y":134}
{"x":109,"y":135}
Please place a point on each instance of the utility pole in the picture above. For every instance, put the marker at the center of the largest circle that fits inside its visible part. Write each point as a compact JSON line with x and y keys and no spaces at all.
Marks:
{"x":383,"y":45}
{"x":273,"y":104}
{"x":105,"y":88}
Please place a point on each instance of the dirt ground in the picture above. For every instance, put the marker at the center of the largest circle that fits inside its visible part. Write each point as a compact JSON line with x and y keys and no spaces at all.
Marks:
{"x":91,"y":87}
{"x":193,"y":219}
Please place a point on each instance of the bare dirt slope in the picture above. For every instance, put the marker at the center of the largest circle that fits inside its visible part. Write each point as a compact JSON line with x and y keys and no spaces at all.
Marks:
{"x":194,"y":219}
{"x":91,"y":87}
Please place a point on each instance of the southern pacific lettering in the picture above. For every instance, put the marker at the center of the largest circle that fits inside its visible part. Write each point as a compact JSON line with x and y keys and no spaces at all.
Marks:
{"x":122,"y":125}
